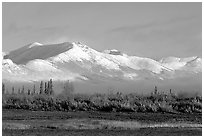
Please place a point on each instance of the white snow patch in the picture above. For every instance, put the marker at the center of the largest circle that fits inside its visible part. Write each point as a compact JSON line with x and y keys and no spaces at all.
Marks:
{"x":7,"y":62}
{"x":175,"y":63}
{"x":41,"y":65}
{"x":35,"y":44}
{"x":83,"y":53}
{"x":130,"y":75}
{"x":74,"y":54}
{"x":3,"y":54}
{"x":12,"y":68}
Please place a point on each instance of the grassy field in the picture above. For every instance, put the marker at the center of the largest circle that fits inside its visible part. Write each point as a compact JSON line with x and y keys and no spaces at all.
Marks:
{"x":25,"y":122}
{"x":101,"y":114}
{"x":140,"y":132}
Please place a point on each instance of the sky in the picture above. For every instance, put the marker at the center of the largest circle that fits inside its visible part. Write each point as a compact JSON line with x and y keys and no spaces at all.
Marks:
{"x":153,"y":30}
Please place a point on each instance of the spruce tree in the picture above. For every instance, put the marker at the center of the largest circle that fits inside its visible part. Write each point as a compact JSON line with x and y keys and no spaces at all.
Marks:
{"x":12,"y":90}
{"x":34,"y":89}
{"x":45,"y":90}
{"x":3,"y":88}
{"x":22,"y":91}
{"x":28,"y":91}
{"x":41,"y":87}
{"x":48,"y":88}
{"x":19,"y":91}
{"x":51,"y":87}
{"x":155,"y":90}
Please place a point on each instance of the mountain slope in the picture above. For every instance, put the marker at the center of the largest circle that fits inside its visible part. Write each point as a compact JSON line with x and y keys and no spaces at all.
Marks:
{"x":33,"y":51}
{"x":77,"y":61}
{"x":193,"y":64}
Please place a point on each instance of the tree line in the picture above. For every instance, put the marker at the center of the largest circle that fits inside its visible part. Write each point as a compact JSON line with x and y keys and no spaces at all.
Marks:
{"x":44,"y":88}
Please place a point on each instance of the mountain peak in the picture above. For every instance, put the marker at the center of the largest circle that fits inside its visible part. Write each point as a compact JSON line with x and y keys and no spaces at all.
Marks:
{"x":75,"y":54}
{"x":79,"y":44}
{"x":35,"y":44}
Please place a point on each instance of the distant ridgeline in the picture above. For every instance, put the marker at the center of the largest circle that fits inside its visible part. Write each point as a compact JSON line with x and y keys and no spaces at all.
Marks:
{"x":80,"y":63}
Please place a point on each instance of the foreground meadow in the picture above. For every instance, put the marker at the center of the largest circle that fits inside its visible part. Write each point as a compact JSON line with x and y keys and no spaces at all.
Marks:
{"x":25,"y":122}
{"x":101,"y":114}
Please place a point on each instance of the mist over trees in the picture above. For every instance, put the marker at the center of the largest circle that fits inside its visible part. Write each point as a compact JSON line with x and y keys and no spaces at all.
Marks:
{"x":113,"y":102}
{"x":46,"y":99}
{"x":43,"y":88}
{"x":67,"y":90}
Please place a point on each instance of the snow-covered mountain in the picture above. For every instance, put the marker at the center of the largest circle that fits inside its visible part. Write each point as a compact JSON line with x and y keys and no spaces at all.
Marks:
{"x":78,"y":62}
{"x":193,"y":64}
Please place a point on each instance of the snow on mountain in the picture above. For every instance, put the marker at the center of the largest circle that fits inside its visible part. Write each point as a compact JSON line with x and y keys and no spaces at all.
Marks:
{"x":107,"y":59}
{"x":83,"y":53}
{"x":136,"y":63}
{"x":2,"y":55}
{"x":76,"y":60}
{"x":194,"y":65}
{"x":36,"y":70}
{"x":172,"y":63}
{"x":189,"y":63}
{"x":113,"y":52}
{"x":130,"y":76}
{"x":27,"y":53}
{"x":76,"y":53}
{"x":35,"y":44}
{"x":41,"y":65}
{"x":10,"y":67}
{"x":148,"y":64}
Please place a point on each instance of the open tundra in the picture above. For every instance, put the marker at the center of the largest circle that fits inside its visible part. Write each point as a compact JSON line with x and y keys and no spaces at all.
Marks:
{"x":110,"y":69}
{"x":22,"y":122}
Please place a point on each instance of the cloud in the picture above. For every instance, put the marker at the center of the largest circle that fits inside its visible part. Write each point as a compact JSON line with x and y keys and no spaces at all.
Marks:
{"x":175,"y":37}
{"x":153,"y":25}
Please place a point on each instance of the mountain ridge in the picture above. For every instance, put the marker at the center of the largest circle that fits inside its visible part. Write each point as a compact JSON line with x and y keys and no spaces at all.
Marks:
{"x":77,"y":58}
